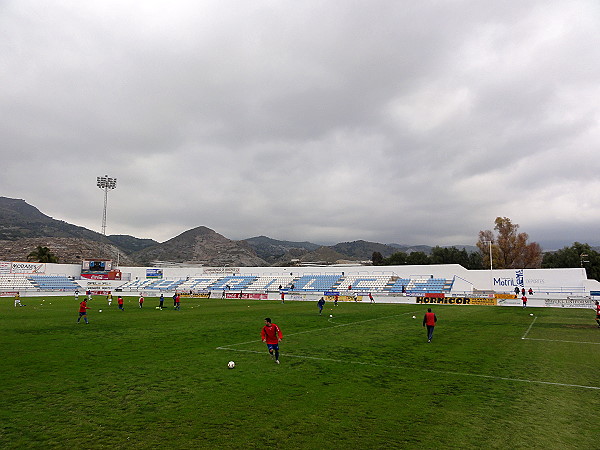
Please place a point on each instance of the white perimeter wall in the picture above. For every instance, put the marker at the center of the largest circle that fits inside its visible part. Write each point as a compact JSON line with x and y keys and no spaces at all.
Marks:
{"x":539,"y":280}
{"x":498,"y":280}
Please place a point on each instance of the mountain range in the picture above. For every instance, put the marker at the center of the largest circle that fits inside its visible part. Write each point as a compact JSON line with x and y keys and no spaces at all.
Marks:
{"x":23,"y":227}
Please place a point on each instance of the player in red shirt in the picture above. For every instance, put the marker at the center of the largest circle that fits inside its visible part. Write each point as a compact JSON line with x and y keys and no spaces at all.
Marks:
{"x":83,"y":307}
{"x":141,"y":300}
{"x":271,"y":335}
{"x":598,"y":313}
{"x":524,"y":300}
{"x":120,"y":303}
{"x":429,"y":320}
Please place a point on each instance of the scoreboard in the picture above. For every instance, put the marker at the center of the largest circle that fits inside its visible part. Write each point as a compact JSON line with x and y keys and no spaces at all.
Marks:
{"x":99,"y":269}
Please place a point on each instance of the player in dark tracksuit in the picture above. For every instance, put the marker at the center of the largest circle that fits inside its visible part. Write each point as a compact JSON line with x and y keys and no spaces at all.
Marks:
{"x":320,"y":304}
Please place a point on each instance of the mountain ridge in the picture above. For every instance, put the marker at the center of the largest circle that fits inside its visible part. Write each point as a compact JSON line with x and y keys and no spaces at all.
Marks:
{"x":23,"y":227}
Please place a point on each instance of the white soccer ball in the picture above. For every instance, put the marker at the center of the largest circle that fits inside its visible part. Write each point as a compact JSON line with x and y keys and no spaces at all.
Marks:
{"x":330,"y":315}
{"x":100,"y":310}
{"x":531,"y":314}
{"x":414,"y":317}
{"x":231,"y":364}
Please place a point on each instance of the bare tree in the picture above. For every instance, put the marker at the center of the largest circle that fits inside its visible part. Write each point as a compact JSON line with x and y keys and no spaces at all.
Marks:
{"x":510,"y":249}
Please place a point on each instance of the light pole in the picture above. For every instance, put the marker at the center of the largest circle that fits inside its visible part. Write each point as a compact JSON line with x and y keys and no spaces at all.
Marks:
{"x":490,"y":242}
{"x":105,"y":183}
{"x":491,"y":265}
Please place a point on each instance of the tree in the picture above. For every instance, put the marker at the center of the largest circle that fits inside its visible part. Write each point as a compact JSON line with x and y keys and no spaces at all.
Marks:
{"x":417,"y":258}
{"x":43,"y":255}
{"x":449,"y":255}
{"x":452,"y":255}
{"x":395,"y":259}
{"x":475,"y":261}
{"x":377,"y":259}
{"x":578,"y":255}
{"x":510,"y":249}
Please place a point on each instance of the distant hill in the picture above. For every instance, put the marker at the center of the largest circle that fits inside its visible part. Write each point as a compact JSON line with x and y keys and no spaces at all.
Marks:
{"x":326,"y":255}
{"x":200,"y":245}
{"x":130,"y":244}
{"x":23,"y":227}
{"x":363,"y":250}
{"x":427,"y":248}
{"x":411,"y":248}
{"x":273,"y":251}
{"x":282,"y":252}
{"x":20,"y":220}
{"x":68,"y":250}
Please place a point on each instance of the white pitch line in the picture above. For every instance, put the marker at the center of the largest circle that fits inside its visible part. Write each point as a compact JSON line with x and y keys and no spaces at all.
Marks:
{"x":475,"y":375}
{"x":320,"y":329}
{"x":528,"y":329}
{"x":446,"y":372}
{"x":552,"y":340}
{"x":559,"y":340}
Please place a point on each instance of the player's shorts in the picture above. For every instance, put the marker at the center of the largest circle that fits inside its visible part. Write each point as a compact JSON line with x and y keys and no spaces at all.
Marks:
{"x":82,"y":314}
{"x":273,"y":346}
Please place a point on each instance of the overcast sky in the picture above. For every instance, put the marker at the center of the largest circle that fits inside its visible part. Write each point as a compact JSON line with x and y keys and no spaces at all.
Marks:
{"x":326,"y":121}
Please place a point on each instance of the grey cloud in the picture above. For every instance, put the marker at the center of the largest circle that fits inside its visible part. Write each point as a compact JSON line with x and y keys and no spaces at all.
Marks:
{"x":392,"y":122}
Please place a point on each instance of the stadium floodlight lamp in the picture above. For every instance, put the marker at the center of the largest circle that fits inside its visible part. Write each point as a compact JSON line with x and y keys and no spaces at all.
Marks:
{"x":105,"y":183}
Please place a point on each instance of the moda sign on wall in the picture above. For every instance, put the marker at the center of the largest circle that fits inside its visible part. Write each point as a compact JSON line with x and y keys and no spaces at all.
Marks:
{"x":28,"y":268}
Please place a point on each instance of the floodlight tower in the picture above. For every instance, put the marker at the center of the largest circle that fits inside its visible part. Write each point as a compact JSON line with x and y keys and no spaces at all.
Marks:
{"x":105,"y":183}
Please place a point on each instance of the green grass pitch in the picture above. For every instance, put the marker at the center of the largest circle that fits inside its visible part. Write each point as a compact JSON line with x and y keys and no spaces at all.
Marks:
{"x":493,"y":377}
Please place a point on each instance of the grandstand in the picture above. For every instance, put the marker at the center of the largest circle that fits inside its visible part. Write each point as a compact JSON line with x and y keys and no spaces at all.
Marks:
{"x":271,"y":283}
{"x":400,"y":285}
{"x":152,"y":285}
{"x":421,"y":285}
{"x":198,"y":284}
{"x":387,"y":282}
{"x":376,"y":283}
{"x":53,"y":283}
{"x":233,"y":282}
{"x":138,"y":285}
{"x":16,"y":283}
{"x":316,"y":282}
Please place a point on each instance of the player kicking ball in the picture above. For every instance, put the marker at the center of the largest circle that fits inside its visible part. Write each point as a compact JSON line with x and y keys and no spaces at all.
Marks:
{"x":271,"y":335}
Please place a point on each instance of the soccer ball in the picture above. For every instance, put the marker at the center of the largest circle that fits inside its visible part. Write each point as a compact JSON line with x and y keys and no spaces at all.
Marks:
{"x":531,"y":314}
{"x":330,"y":315}
{"x":414,"y":317}
{"x":100,"y":310}
{"x":231,"y":364}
